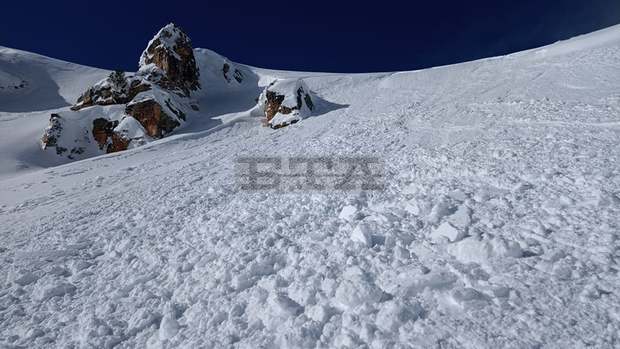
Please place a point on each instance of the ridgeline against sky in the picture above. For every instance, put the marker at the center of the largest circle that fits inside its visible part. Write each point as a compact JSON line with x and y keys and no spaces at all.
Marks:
{"x":310,"y":35}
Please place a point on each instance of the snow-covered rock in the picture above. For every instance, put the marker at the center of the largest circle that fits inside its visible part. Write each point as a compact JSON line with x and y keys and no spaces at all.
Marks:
{"x":106,"y":92}
{"x":85,"y":133}
{"x":51,"y":135}
{"x":232,"y":73}
{"x":285,"y":102}
{"x":157,"y":119}
{"x":157,"y":97}
{"x":171,"y":51}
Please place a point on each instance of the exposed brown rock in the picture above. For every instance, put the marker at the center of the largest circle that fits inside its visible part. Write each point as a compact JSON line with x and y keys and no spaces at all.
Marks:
{"x":274,"y":101}
{"x":272,"y":106}
{"x":152,"y":117}
{"x":285,"y":102}
{"x":169,"y":73}
{"x":118,"y":143}
{"x":102,"y":130}
{"x":172,"y":52}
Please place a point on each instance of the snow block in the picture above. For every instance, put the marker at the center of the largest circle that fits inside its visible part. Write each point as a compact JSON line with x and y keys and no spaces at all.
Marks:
{"x":348,"y":213}
{"x":447,"y":231}
{"x":362,"y":234}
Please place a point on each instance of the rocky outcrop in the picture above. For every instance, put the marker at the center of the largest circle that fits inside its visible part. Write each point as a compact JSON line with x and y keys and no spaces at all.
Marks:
{"x":108,"y":137}
{"x":104,"y":93}
{"x":144,"y":106}
{"x":103,"y":129}
{"x":52,"y":138}
{"x":285,"y":102}
{"x":237,"y":74}
{"x":172,"y":53}
{"x":151,"y":115}
{"x":52,"y":132}
{"x":118,"y":143}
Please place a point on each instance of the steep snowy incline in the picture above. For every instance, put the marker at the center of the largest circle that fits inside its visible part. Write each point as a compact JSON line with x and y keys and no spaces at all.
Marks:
{"x":31,"y":82}
{"x":497,"y":227}
{"x":31,"y":87}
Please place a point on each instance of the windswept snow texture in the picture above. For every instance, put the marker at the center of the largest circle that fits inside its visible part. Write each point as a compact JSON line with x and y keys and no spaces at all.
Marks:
{"x":498,"y":226}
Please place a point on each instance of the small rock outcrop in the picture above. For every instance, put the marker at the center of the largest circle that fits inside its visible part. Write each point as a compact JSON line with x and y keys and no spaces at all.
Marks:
{"x":285,"y":102}
{"x":53,"y":138}
{"x":52,"y":133}
{"x":237,"y":74}
{"x":108,"y":136}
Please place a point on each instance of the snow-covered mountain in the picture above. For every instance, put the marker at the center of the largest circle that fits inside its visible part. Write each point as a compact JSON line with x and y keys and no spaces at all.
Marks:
{"x":497,"y":224}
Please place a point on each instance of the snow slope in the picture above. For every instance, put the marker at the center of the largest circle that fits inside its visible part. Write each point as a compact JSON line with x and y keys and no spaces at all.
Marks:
{"x":498,"y":225}
{"x":31,"y":87}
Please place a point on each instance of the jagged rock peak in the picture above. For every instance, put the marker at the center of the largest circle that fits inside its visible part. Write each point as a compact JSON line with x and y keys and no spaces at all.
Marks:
{"x":171,"y":51}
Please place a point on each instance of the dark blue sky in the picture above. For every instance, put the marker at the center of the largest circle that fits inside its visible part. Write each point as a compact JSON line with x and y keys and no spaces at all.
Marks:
{"x":339,"y":36}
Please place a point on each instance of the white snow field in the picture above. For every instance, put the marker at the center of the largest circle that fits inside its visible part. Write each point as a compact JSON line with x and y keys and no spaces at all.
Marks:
{"x":498,"y":226}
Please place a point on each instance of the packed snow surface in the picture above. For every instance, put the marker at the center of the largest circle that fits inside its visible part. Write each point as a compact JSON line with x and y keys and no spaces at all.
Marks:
{"x":498,"y":225}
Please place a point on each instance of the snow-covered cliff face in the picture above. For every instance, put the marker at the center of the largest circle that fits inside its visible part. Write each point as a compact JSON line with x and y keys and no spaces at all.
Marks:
{"x":497,"y":225}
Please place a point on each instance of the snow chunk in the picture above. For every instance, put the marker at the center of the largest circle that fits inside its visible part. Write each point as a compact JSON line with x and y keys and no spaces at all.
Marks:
{"x":26,"y":279}
{"x":448,"y":231}
{"x":471,"y":250}
{"x":461,"y":218}
{"x":395,"y":313}
{"x":362,"y":234}
{"x":356,"y":288}
{"x":440,"y":210}
{"x":466,"y":298}
{"x":53,"y":290}
{"x":276,"y":309}
{"x":168,"y":327}
{"x":319,"y":313}
{"x":348,"y":213}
